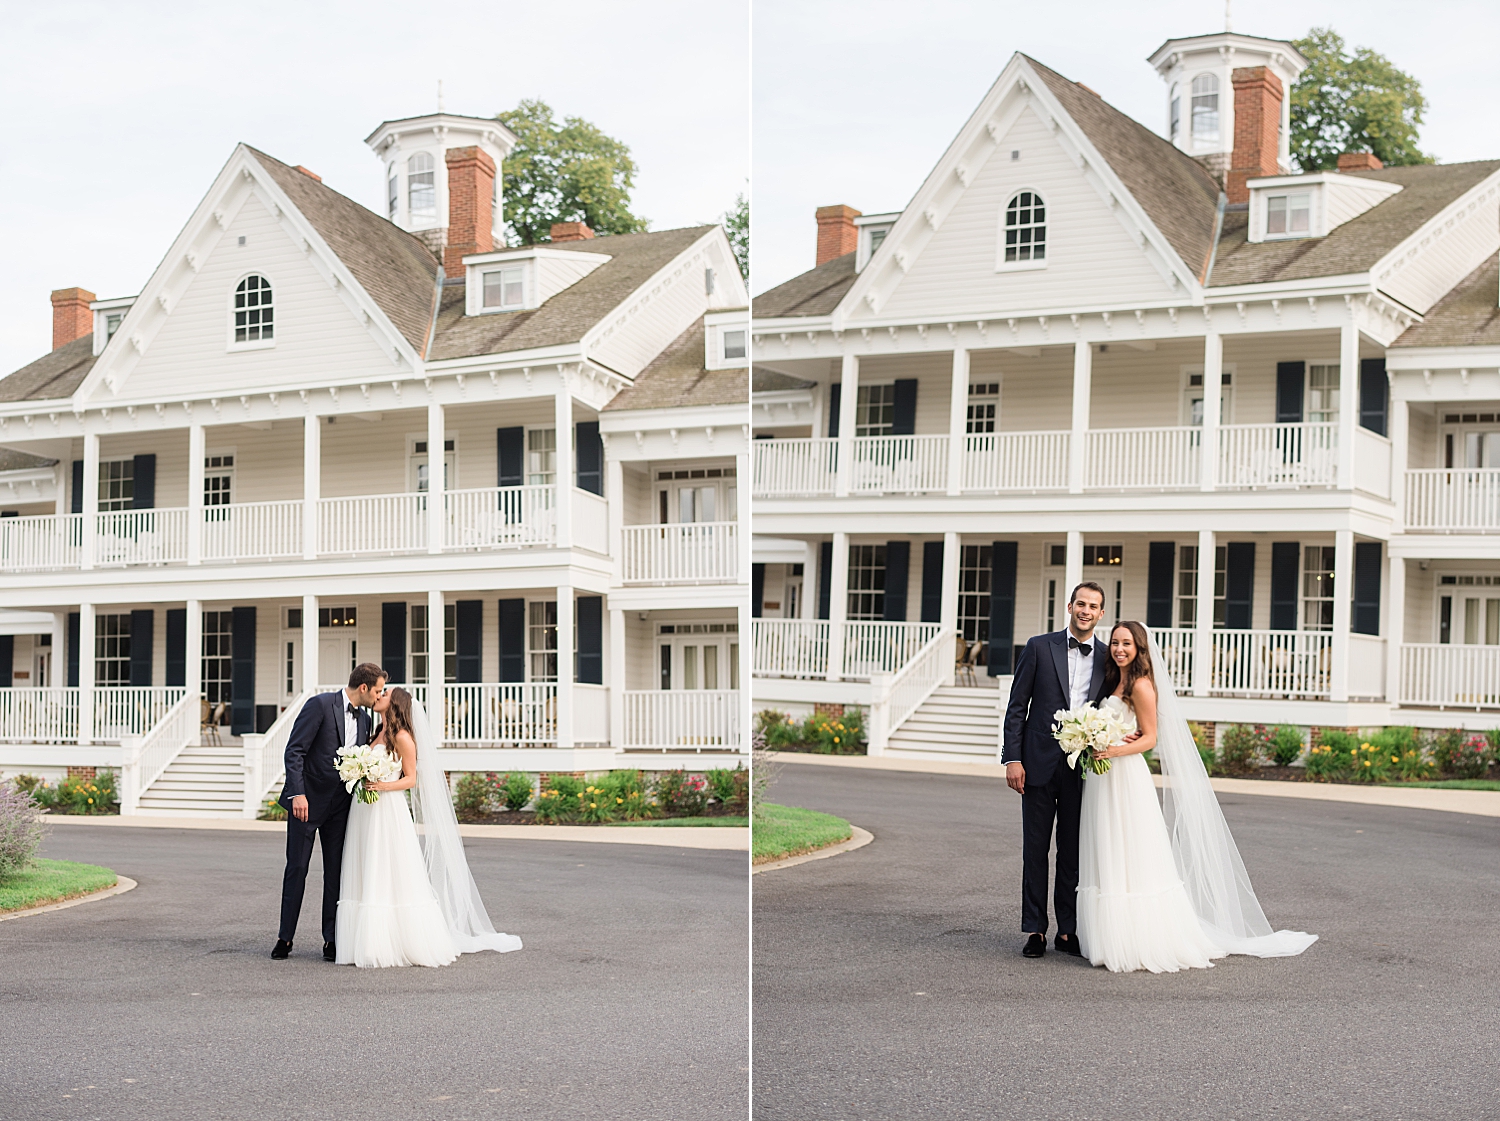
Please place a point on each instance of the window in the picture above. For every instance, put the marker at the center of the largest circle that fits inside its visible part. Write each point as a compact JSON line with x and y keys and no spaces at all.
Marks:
{"x":112,"y":650}
{"x":1322,"y":394}
{"x":421,"y":650}
{"x":393,"y":192}
{"x":983,"y":402}
{"x":866,"y":582}
{"x":112,"y":323}
{"x":116,"y":484}
{"x":291,"y":668}
{"x":974,"y":592}
{"x":218,"y":633}
{"x":1187,"y":585}
{"x":1025,"y":228}
{"x":875,"y":410}
{"x":421,"y":186}
{"x":697,"y":492}
{"x":877,"y":235}
{"x":734,"y":344}
{"x":1288,"y":214}
{"x":541,"y":456}
{"x":1317,"y":588}
{"x":1108,"y":555}
{"x":1176,"y":115}
{"x":541,"y":639}
{"x":337,"y":617}
{"x":218,"y":485}
{"x":420,"y":461}
{"x":1206,"y":108}
{"x":504,"y":288}
{"x":252,"y":310}
{"x":1480,"y":611}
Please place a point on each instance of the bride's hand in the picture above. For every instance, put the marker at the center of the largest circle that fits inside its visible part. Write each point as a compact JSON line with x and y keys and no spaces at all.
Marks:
{"x":378,"y":787}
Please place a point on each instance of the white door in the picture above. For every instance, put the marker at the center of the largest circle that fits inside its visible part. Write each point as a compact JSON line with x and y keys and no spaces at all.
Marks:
{"x":699,"y":661}
{"x":337,"y":655}
{"x":42,"y":667}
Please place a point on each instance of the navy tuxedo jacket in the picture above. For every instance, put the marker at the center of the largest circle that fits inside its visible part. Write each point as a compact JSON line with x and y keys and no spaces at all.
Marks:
{"x":1039,"y":689}
{"x":312,"y":750}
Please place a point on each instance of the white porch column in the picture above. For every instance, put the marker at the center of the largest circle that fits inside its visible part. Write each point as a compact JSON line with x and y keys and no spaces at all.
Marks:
{"x":1348,"y":405}
{"x":310,"y":644}
{"x":565,"y":669}
{"x":195,"y":494}
{"x":614,"y":488}
{"x":958,"y":422}
{"x":615,"y":675}
{"x":809,"y":604}
{"x":1400,"y":450}
{"x":1083,"y":379}
{"x":57,"y":664}
{"x":838,"y":605}
{"x":86,"y":667}
{"x":848,"y":416}
{"x":1213,"y":398}
{"x":1395,"y":627}
{"x":1343,"y":599}
{"x":62,"y":476}
{"x":1203,"y":647}
{"x":562,"y":419}
{"x":437,"y":478}
{"x":90,"y":502}
{"x":193,"y":648}
{"x":312,"y":491}
{"x":1072,"y":565}
{"x":952,"y":555}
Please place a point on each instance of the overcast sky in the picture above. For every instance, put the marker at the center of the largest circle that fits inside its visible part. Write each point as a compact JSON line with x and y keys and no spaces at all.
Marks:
{"x":854,"y":102}
{"x":120,"y":114}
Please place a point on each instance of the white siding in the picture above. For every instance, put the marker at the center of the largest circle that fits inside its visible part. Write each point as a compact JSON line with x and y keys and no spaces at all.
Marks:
{"x":651,"y":319}
{"x":1448,"y":252}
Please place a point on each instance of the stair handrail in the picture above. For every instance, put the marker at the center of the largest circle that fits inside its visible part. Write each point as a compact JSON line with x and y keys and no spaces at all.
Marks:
{"x":265,"y":755}
{"x":145,"y":758}
{"x":895,"y":696}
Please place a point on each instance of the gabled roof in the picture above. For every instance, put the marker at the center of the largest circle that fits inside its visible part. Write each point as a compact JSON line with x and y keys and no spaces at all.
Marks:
{"x":566,"y":317}
{"x":53,"y":375}
{"x":1467,"y":316}
{"x":13,"y":460}
{"x":677,"y":378}
{"x":763,"y":380}
{"x":815,"y":292}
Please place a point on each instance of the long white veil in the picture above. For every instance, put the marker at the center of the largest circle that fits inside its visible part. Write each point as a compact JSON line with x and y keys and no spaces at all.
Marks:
{"x":1207,"y":859}
{"x":443,"y":849}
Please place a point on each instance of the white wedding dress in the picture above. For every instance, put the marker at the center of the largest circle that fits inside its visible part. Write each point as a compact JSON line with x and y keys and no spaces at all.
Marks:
{"x":406,"y":896}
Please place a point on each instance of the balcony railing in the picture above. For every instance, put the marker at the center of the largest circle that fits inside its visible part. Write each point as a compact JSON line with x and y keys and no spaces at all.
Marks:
{"x":1295,"y":664}
{"x":1454,"y":500}
{"x":899,"y":465}
{"x":1450,"y":676}
{"x":39,"y":543}
{"x":1278,"y":455}
{"x":149,"y":537}
{"x":252,"y":531}
{"x":684,"y":553}
{"x":372,"y":523}
{"x":1144,"y":458}
{"x":795,"y":468}
{"x":500,"y":517}
{"x":1016,"y":461}
{"x":803,"y":647}
{"x":678,"y":719}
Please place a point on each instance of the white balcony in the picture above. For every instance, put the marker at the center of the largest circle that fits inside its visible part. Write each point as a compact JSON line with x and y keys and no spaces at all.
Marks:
{"x":1450,"y":676}
{"x":41,"y":543}
{"x":252,"y":531}
{"x":683,"y":719}
{"x":795,"y":468}
{"x":1144,"y":458}
{"x":899,"y":465}
{"x":141,"y":537}
{"x":1278,"y":455}
{"x":685,"y":553}
{"x":500,"y":518}
{"x":1016,"y":461}
{"x":1456,"y":500}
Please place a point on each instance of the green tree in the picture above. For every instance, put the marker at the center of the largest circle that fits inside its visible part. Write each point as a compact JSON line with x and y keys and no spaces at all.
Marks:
{"x":564,"y":173}
{"x":737,"y":227}
{"x":1357,"y":102}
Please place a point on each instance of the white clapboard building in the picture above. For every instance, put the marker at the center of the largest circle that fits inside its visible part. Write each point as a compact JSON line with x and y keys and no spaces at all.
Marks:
{"x":1261,"y":408}
{"x":219,"y":496}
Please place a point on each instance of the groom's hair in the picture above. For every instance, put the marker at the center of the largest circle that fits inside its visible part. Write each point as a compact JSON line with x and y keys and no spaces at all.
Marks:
{"x":1089,"y":584}
{"x":366,"y":673}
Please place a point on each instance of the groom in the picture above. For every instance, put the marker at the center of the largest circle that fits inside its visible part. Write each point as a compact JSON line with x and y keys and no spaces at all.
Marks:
{"x":315,"y":799}
{"x":1063,"y":669}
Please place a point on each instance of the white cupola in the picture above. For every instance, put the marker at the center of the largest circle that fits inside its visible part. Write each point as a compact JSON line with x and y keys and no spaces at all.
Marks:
{"x":412,"y":152}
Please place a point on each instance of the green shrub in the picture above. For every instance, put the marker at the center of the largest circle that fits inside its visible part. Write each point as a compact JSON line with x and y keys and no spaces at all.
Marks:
{"x":835,"y":735}
{"x":777,"y":730}
{"x":28,"y":784}
{"x":515,"y":790}
{"x":595,"y":805}
{"x":473,"y":795}
{"x":1240,"y":748}
{"x":721,"y":784}
{"x":1285,"y":745}
{"x":1205,"y":749}
{"x":1333,"y":756}
{"x":1461,"y":754}
{"x":681,"y":794}
{"x":552,"y":807}
{"x":272,"y":811}
{"x":87,"y":795}
{"x":627,"y":793}
{"x":21,"y":832}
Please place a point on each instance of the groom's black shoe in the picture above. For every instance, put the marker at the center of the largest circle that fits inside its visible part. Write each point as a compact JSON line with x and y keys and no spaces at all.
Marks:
{"x":1068,"y":944}
{"x":329,"y":953}
{"x":282,"y":951}
{"x":1035,"y":946}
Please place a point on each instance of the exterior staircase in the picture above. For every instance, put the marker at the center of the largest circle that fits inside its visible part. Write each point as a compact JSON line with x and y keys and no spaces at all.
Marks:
{"x":200,"y":782}
{"x":955,"y":722}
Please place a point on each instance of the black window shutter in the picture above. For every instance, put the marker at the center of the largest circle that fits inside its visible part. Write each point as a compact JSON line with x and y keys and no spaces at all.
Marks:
{"x":242,"y":671}
{"x":1002,"y":606}
{"x":590,"y":639}
{"x":835,"y":392}
{"x":825,"y":577}
{"x":73,"y":629}
{"x":512,"y":640}
{"x":1239,"y":584}
{"x":757,"y":589}
{"x":510,"y":455}
{"x":897,"y":571}
{"x":77,"y":506}
{"x":176,"y":667}
{"x":1366,"y":616}
{"x":1163,"y":561}
{"x":1289,"y":380}
{"x":590,"y":455}
{"x":7,"y":660}
{"x":142,"y":642}
{"x":1374,"y":395}
{"x":393,"y":641}
{"x":1286,"y":557}
{"x":143,"y":496}
{"x":468,"y":626}
{"x":904,"y":422}
{"x":932,"y":581}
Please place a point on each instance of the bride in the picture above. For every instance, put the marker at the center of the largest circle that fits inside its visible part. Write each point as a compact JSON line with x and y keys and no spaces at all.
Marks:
{"x":1159,"y":888}
{"x":405,"y":901}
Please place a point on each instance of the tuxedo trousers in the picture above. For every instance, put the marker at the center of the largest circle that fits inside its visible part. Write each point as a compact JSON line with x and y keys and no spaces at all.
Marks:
{"x":1059,"y":800}
{"x":299,"y":845}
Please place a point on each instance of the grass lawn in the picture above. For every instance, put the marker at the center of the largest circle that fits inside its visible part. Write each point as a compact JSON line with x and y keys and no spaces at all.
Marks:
{"x":789,"y":830}
{"x":726,"y":820}
{"x":50,"y":881}
{"x":1453,"y":784}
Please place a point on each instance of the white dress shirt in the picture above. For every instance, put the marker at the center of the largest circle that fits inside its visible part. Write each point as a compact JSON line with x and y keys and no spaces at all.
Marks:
{"x":1080,"y":672}
{"x":351,"y":727}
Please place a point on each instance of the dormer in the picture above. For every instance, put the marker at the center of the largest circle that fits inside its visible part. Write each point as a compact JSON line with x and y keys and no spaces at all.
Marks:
{"x":726,"y":339}
{"x":872,"y":229}
{"x":1287,"y":207}
{"x":108,"y":315}
{"x":519,"y":279}
{"x":413,"y":152}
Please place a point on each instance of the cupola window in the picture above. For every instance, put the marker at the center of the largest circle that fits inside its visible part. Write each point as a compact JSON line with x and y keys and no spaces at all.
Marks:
{"x":253,"y":314}
{"x":1206,"y":107}
{"x":1025,"y":228}
{"x":393,"y":192}
{"x":421,"y":186}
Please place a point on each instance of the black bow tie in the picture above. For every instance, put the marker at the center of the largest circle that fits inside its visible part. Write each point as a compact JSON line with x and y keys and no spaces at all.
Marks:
{"x":350,"y":710}
{"x":1084,"y":648}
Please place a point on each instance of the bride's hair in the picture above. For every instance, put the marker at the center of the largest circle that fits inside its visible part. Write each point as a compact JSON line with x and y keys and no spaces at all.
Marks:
{"x":1139,"y":668}
{"x":397,"y":718}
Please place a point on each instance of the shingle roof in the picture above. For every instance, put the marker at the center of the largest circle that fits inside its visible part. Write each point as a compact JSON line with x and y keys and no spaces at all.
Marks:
{"x":1466,"y":316}
{"x":676,"y":378}
{"x":52,"y":376}
{"x":396,"y":268}
{"x":815,"y":292}
{"x":763,"y":380}
{"x":13,"y":460}
{"x":1357,"y":244}
{"x":567,"y":316}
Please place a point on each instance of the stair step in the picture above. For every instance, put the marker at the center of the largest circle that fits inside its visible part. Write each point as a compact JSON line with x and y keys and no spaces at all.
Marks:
{"x":186,"y":811}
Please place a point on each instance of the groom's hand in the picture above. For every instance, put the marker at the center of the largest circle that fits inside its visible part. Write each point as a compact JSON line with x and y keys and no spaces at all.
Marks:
{"x":1015,"y":777}
{"x":299,"y":807}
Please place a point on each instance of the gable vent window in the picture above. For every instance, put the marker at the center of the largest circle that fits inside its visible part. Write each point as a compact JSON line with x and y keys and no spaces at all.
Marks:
{"x":252,"y":310}
{"x":734,"y":344}
{"x":1206,"y":108}
{"x":421,"y":186}
{"x":503,"y":288}
{"x":1288,"y":214}
{"x":1025,"y":228}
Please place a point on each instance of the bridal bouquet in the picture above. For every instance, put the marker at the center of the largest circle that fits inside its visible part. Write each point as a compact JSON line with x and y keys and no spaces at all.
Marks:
{"x":1081,"y":731}
{"x":364,"y":763}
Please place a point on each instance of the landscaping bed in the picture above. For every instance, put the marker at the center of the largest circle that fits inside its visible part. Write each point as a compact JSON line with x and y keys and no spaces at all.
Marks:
{"x":79,"y":794}
{"x":1396,"y":756}
{"x":822,"y":733}
{"x":777,"y":832}
{"x":51,"y":881}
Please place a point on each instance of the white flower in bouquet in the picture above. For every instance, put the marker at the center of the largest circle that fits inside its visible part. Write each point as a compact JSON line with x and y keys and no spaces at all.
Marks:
{"x":1081,"y":732}
{"x":361,"y":764}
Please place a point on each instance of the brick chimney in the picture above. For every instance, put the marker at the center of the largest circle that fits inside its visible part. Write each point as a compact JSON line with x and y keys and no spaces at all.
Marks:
{"x":71,"y":317}
{"x":837,"y":234}
{"x":1359,"y":161}
{"x":571,"y":231}
{"x":1257,"y":124}
{"x":471,"y":206}
{"x":308,"y":172}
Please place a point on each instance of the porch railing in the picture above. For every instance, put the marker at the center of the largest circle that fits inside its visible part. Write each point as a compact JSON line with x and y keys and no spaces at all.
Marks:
{"x":1296,"y":664}
{"x":1178,"y":645}
{"x":789,"y":648}
{"x":141,"y":537}
{"x":896,"y":696}
{"x":880,"y":647}
{"x":500,"y":517}
{"x":1016,"y":461}
{"x":372,"y":523}
{"x":265,"y":755}
{"x":132,"y":710}
{"x":685,"y":553}
{"x":782,"y":468}
{"x":1453,"y":500}
{"x":39,"y":715}
{"x":1278,"y":455}
{"x":490,"y":714}
{"x":677,"y":719}
{"x":899,"y":465}
{"x":147,"y":756}
{"x":252,"y":531}
{"x":40,"y":542}
{"x":1450,"y":676}
{"x":1143,"y":458}
{"x":802,"y":647}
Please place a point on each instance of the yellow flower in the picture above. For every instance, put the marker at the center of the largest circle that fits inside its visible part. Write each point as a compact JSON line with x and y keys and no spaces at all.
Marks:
{"x":593,"y":805}
{"x":91,"y":801}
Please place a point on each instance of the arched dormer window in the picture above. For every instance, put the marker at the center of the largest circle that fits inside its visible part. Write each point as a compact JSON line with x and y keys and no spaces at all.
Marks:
{"x":253,"y":315}
{"x":1206,"y":107}
{"x":421,"y":186}
{"x":1025,"y":228}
